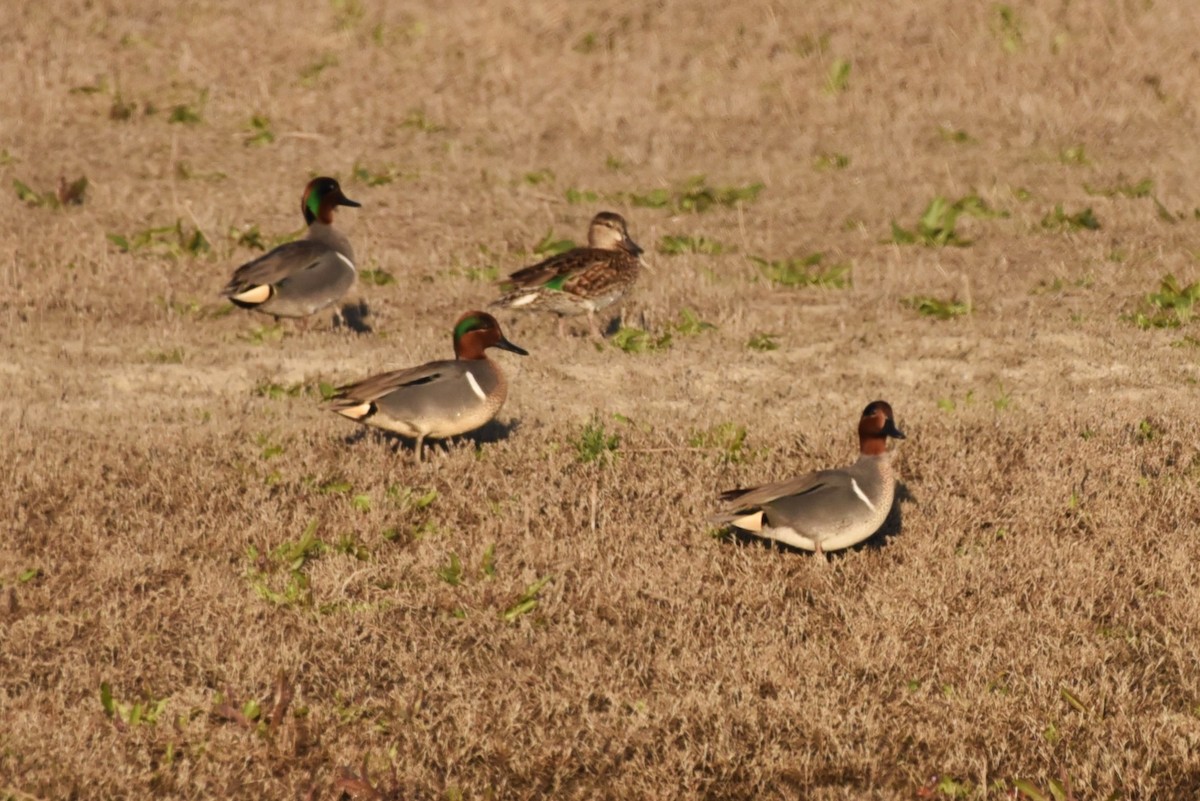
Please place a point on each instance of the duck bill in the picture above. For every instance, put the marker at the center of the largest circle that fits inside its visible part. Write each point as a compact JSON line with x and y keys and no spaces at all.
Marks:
{"x":890,"y":430}
{"x":631,"y":247}
{"x":342,"y":200}
{"x":504,"y":344}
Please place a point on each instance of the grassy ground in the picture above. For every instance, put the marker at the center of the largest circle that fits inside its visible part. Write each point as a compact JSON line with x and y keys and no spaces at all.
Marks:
{"x":211,"y":588}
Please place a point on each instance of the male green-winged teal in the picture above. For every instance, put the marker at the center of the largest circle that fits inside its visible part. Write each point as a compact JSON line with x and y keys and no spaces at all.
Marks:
{"x":829,"y":509}
{"x":582,"y":280}
{"x":438,"y":399}
{"x":300,"y":278}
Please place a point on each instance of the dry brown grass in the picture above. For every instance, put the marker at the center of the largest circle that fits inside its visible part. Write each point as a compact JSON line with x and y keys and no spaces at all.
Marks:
{"x":1033,"y":620}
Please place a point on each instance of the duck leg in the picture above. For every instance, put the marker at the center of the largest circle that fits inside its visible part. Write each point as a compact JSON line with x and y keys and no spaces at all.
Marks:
{"x":420,"y":447}
{"x":592,"y":325}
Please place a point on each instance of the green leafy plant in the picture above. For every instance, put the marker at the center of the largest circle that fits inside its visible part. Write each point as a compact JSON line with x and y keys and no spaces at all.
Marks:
{"x":937,"y":308}
{"x":451,"y":573}
{"x":258,"y":132}
{"x":677,"y":245}
{"x":1123,"y":188}
{"x":1169,"y":307}
{"x":145,"y":712}
{"x":838,"y":78}
{"x":805,"y":271}
{"x":695,"y":195}
{"x":831,"y":161}
{"x":1007,"y":28}
{"x":729,"y":439}
{"x":595,"y":444}
{"x":690,"y":324}
{"x":527,"y":601}
{"x":376,"y":277}
{"x":171,"y":241}
{"x":936,"y":227}
{"x":635,"y":340}
{"x":956,"y":135}
{"x":549,"y":246}
{"x":68,"y":193}
{"x":764,"y":342}
{"x":189,"y":113}
{"x":1059,"y":220}
{"x":311,"y":73}
{"x":1074,"y":155}
{"x":538,"y":177}
{"x":577,"y":196}
{"x":374,"y":176}
{"x":279,"y":577}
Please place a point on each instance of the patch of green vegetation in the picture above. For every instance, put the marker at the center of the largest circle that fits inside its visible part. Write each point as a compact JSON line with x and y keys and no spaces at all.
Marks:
{"x":274,"y":391}
{"x":1187,"y":341}
{"x":278,"y":577}
{"x":374,"y":176}
{"x":936,"y":228}
{"x":1059,"y":220}
{"x":763,"y":341}
{"x":1074,"y":156}
{"x":139,"y":713}
{"x":451,"y":573}
{"x":549,"y":246}
{"x":487,"y":563}
{"x":171,"y":241}
{"x":728,"y":439}
{"x":613,"y":163}
{"x":347,"y":14}
{"x":1123,"y":188}
{"x":595,"y":444}
{"x":1007,"y":28}
{"x":417,"y":120}
{"x":527,"y":601}
{"x":951,"y":787}
{"x":269,"y":449}
{"x":261,"y":335}
{"x":1057,"y":285}
{"x":695,"y":195}
{"x":830,"y":161}
{"x":578,"y":196}
{"x":838,"y":78}
{"x":937,"y":308}
{"x":677,"y":245}
{"x":539,"y":177}
{"x":250,"y":238}
{"x":956,"y":135}
{"x":258,"y":132}
{"x":172,"y":356}
{"x":635,"y":340}
{"x":311,"y":73}
{"x":185,"y":172}
{"x":68,"y":193}
{"x":805,"y":271}
{"x":486,"y":274}
{"x":189,"y":113}
{"x":376,"y":277}
{"x":334,"y":486}
{"x":1169,"y":307}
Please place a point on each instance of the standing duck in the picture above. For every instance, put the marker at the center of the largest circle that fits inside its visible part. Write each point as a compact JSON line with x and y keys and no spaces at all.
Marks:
{"x":301,"y":278}
{"x":580,"y":280}
{"x":829,"y":509}
{"x":438,"y":399}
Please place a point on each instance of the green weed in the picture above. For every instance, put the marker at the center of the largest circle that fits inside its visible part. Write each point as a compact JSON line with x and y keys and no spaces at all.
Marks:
{"x":729,"y":439}
{"x":310,"y":74}
{"x":830,"y":161}
{"x":635,"y":340}
{"x":538,"y":177}
{"x":258,"y":132}
{"x":171,"y":241}
{"x":189,"y":113}
{"x":577,"y":196}
{"x":1059,"y":220}
{"x":451,"y":573}
{"x":805,"y":271}
{"x":279,"y":577}
{"x":376,"y":277}
{"x":677,"y":245}
{"x":1074,"y":156}
{"x":695,"y":195}
{"x":1007,"y":29}
{"x":549,"y":246}
{"x":595,"y":444}
{"x":261,"y":335}
{"x":956,"y":135}
{"x":417,"y":120}
{"x":936,"y":228}
{"x":1170,"y":307}
{"x":838,"y":78}
{"x":68,"y":193}
{"x":374,"y":176}
{"x":690,"y":324}
{"x":1123,"y":188}
{"x":928,"y":306}
{"x":145,"y":712}
{"x":763,"y":342}
{"x":527,"y":601}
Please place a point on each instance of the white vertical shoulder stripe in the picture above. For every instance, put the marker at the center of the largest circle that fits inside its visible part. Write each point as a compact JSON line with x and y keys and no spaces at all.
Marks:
{"x":478,"y":390}
{"x":342,"y":256}
{"x":857,"y":491}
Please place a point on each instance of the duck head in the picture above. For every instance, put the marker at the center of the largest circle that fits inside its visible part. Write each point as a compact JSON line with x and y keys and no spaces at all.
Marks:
{"x":477,"y":331}
{"x":320,"y":198}
{"x":609,"y":232}
{"x":874,"y":428}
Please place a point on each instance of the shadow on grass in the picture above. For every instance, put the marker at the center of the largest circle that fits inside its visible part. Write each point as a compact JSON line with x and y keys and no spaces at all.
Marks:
{"x":492,"y":431}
